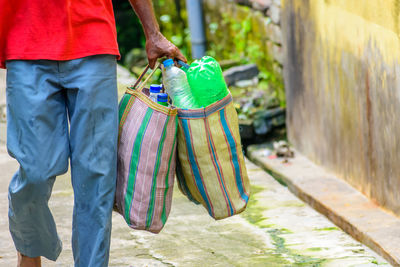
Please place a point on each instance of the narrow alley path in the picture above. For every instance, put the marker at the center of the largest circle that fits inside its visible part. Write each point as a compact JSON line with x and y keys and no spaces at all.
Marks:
{"x":277,"y":229}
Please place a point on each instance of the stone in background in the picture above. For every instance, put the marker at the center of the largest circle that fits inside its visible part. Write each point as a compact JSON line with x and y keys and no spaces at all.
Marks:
{"x":125,"y":79}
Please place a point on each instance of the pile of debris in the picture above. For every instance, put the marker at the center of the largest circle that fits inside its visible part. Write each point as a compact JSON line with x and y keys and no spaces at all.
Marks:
{"x":258,"y":110}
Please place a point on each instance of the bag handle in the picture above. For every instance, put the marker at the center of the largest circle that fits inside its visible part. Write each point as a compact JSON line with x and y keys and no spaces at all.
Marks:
{"x":139,"y":79}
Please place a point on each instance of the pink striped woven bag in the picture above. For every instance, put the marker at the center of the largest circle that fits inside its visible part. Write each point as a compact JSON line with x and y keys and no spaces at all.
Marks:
{"x":146,"y":159}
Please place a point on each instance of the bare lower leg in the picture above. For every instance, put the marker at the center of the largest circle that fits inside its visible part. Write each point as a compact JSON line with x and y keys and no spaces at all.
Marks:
{"x":25,"y":261}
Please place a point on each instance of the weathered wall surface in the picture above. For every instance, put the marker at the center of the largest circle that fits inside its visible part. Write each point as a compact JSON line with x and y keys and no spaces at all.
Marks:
{"x":342,"y":79}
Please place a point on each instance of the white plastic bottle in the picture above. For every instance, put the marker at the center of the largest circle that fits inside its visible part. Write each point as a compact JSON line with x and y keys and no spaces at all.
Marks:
{"x":177,"y":86}
{"x":154,"y":91}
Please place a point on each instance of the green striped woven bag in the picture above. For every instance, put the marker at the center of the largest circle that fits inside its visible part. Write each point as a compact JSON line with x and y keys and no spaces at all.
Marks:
{"x":211,"y":168}
{"x":146,"y":159}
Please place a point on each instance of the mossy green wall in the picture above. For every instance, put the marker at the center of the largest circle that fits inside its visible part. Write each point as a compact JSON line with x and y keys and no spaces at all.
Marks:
{"x":342,"y":79}
{"x":244,"y":34}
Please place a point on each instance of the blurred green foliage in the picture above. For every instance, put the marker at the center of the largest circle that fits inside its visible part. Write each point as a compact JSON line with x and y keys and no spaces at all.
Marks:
{"x":129,"y":30}
{"x":171,"y":16}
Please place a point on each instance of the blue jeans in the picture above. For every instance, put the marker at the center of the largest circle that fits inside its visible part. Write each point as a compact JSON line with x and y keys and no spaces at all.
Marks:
{"x":42,"y":97}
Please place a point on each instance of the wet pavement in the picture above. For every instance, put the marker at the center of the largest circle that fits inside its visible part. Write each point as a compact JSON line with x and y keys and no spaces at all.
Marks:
{"x":277,"y":229}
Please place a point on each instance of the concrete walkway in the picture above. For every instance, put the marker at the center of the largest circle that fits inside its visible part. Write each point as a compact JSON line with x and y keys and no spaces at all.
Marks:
{"x":277,"y":229}
{"x":344,"y":205}
{"x":2,"y":94}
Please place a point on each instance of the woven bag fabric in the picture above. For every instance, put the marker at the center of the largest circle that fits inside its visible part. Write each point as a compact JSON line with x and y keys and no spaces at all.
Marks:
{"x":211,"y":168}
{"x":146,"y":161}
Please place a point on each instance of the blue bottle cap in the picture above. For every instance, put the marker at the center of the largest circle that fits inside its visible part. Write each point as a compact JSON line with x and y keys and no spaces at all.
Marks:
{"x":183,"y":64}
{"x":155,"y":88}
{"x":162,"y":97}
{"x":168,"y":62}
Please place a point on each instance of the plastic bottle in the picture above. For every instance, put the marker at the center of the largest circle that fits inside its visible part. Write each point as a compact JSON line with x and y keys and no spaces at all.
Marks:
{"x":206,"y":80}
{"x":154,"y":91}
{"x":162,"y":99}
{"x":177,"y":86}
{"x":184,"y":66}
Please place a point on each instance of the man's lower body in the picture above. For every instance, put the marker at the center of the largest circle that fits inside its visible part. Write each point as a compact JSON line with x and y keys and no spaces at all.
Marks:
{"x":56,"y":111}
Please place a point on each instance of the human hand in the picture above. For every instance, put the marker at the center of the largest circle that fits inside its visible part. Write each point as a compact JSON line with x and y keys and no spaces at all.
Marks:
{"x":157,"y":46}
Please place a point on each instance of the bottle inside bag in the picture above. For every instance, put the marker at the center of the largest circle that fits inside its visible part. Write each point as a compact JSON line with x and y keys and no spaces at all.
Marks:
{"x":155,"y":89}
{"x":162,"y":99}
{"x":206,"y":81}
{"x":177,"y":86}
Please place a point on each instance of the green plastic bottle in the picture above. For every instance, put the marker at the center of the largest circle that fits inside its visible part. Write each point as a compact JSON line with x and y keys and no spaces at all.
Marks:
{"x":206,"y":81}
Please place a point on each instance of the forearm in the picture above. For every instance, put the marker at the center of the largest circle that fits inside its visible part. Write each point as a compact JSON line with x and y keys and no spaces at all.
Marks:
{"x":157,"y":46}
{"x":145,"y":12}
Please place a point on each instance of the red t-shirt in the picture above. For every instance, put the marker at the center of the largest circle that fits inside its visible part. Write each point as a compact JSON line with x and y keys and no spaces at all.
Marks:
{"x":56,"y":29}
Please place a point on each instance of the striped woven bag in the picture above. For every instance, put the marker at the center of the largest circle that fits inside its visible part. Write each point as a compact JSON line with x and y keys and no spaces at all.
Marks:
{"x":211,"y":168}
{"x":146,"y":160}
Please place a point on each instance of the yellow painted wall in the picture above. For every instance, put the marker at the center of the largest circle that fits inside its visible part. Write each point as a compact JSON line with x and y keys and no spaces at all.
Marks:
{"x":342,"y":79}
